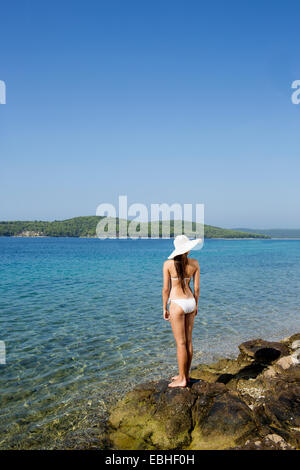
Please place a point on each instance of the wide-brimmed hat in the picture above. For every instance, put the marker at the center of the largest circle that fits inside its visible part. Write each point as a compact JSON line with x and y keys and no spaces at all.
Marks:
{"x":183,"y":244}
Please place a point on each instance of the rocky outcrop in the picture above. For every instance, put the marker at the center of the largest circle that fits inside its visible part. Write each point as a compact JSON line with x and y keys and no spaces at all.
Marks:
{"x":263,"y":351}
{"x":252,"y":402}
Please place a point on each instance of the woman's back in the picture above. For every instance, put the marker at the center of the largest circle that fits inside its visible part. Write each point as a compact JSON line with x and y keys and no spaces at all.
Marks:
{"x":176,"y":284}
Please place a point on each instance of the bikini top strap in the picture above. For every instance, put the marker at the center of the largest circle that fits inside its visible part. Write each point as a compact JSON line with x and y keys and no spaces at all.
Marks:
{"x":176,"y":278}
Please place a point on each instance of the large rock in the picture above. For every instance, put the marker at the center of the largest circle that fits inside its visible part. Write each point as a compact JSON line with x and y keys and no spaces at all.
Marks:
{"x":263,"y":351}
{"x":221,"y":419}
{"x":280,"y":409}
{"x":223,"y":371}
{"x":153,"y":416}
{"x":204,"y":416}
{"x":252,"y":402}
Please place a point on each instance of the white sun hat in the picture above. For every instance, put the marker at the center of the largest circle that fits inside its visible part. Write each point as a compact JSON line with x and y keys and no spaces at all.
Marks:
{"x":183,"y":244}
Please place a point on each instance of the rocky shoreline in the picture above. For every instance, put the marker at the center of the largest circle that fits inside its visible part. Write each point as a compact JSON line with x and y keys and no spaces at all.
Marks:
{"x":251,"y":402}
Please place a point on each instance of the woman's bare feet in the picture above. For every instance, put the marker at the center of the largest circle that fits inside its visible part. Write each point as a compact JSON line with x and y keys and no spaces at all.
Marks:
{"x":178,"y":383}
{"x":176,"y":377}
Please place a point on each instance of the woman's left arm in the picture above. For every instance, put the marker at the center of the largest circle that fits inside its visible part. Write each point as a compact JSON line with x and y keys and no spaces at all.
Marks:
{"x":196,"y":282}
{"x":166,"y":290}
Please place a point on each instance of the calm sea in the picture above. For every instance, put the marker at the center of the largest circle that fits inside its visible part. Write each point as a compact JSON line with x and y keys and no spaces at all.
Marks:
{"x":82,"y":323}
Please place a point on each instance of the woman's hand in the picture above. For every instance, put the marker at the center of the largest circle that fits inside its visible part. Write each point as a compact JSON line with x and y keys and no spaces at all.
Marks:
{"x":166,"y":315}
{"x":196,"y":311}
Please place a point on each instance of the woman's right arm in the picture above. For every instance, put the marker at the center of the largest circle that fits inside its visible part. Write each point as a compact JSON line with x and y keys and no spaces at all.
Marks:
{"x":196,"y":282}
{"x":166,"y":291}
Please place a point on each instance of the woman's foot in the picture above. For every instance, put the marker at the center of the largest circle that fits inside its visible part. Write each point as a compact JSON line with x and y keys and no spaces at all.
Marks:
{"x":178,"y":383}
{"x":176,"y":377}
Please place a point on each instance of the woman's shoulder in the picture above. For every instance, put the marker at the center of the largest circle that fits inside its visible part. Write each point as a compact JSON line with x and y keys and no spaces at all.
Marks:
{"x":194,"y":262}
{"x":168,"y":262}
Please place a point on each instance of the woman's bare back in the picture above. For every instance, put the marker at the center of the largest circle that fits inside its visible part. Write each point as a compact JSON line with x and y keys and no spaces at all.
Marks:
{"x":176,"y":288}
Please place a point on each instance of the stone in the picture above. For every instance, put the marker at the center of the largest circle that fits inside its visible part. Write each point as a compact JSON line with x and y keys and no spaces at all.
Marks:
{"x":284,"y":405}
{"x":270,"y":372}
{"x":290,"y":339}
{"x":204,"y":416}
{"x":296,"y":357}
{"x":220,"y":423}
{"x":285,"y":362}
{"x":269,"y":442}
{"x":296,"y":344}
{"x":281,"y":407}
{"x":152,"y":417}
{"x":263,"y":351}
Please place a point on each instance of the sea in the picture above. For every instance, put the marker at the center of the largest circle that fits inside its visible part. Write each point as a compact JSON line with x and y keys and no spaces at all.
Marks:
{"x":81,"y":324}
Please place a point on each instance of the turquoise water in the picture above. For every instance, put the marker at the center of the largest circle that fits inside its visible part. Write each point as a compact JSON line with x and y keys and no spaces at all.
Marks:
{"x":82,"y":323}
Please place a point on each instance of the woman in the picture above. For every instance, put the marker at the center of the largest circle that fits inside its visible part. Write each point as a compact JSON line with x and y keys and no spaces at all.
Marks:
{"x":178,"y":272}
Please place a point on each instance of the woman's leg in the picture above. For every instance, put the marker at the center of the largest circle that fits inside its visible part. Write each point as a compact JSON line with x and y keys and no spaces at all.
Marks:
{"x":177,"y":317}
{"x":189,"y":323}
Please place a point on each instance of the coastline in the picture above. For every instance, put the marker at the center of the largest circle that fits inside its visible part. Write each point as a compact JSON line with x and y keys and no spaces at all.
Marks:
{"x":144,"y":238}
{"x":150,"y":238}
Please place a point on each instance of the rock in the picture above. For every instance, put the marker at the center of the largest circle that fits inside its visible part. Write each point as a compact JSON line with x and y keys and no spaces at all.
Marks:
{"x":252,"y":402}
{"x":269,"y":442}
{"x":285,"y":362}
{"x":263,"y":351}
{"x":296,"y":344}
{"x":203,"y":417}
{"x":221,"y":371}
{"x":291,"y":339}
{"x":296,"y":357}
{"x":276,"y":439}
{"x":153,"y":417}
{"x":270,"y":372}
{"x":284,"y":405}
{"x":288,"y":361}
{"x":220,"y":423}
{"x":207,"y":390}
{"x":227,"y":371}
{"x":281,"y":407}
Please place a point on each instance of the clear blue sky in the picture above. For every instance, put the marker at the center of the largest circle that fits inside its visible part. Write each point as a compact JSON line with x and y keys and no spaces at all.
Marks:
{"x":165,"y":101}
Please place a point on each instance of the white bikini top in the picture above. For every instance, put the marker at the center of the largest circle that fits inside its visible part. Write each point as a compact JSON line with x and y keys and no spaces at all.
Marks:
{"x":176,"y":278}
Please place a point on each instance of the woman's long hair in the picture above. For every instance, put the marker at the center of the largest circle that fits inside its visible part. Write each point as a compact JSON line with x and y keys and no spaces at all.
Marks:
{"x":180,"y":265}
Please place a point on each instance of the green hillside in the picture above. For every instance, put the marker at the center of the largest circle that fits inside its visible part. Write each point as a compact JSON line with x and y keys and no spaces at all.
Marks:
{"x":86,"y":227}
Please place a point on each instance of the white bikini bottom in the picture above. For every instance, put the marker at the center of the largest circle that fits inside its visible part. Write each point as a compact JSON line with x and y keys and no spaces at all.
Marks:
{"x":187,"y":305}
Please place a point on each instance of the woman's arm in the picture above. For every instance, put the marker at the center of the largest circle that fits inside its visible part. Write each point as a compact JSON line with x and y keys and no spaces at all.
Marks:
{"x":166,"y":290}
{"x":196,"y":282}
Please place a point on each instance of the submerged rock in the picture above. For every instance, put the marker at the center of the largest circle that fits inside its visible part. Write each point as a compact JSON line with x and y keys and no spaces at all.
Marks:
{"x":252,"y":402}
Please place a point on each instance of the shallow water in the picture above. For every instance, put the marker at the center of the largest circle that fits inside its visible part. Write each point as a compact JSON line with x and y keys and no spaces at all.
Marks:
{"x":82,"y":323}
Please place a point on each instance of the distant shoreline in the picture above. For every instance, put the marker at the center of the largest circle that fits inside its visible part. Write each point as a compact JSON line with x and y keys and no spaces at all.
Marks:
{"x":145,"y":238}
{"x":88,"y":227}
